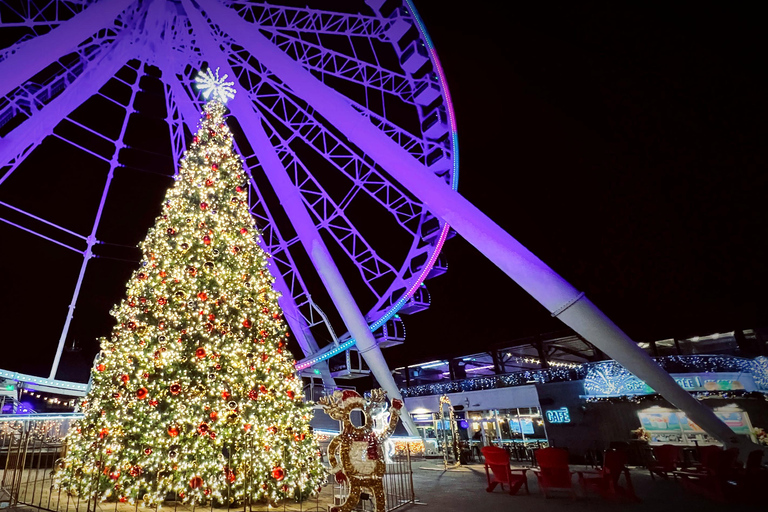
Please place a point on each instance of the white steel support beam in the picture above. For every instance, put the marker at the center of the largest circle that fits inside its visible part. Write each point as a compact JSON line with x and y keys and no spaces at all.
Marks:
{"x":533,"y":275}
{"x":291,"y":201}
{"x":36,"y":54}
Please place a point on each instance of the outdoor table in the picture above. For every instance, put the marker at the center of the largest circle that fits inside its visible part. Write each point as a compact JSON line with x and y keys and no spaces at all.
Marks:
{"x":524,"y":471}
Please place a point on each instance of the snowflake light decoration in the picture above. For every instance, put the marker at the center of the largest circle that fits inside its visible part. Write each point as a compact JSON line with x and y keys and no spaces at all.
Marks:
{"x":213,"y":87}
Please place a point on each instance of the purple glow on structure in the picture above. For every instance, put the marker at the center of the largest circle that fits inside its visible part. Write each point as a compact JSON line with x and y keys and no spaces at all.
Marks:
{"x":310,"y":361}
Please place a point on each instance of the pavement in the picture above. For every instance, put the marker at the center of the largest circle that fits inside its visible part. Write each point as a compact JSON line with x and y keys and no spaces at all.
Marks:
{"x":463,"y":490}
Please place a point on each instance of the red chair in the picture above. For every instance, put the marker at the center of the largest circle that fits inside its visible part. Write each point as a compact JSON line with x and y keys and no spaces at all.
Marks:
{"x":497,"y":460}
{"x":553,"y":472}
{"x":665,"y":460}
{"x":717,"y":480}
{"x":606,"y":481}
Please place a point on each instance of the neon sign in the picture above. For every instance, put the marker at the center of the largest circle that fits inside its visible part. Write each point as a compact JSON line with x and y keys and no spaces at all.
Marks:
{"x":558,"y":415}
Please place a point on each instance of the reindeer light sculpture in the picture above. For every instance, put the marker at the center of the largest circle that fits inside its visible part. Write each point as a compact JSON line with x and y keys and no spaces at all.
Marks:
{"x":356,"y":454}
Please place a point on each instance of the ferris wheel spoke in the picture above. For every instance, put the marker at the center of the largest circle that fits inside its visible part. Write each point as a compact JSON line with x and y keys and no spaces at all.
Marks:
{"x":34,"y":55}
{"x":307,"y":20}
{"x":331,"y":216}
{"x":42,"y":122}
{"x":359,"y":170}
{"x":323,"y":60}
{"x":30,"y":14}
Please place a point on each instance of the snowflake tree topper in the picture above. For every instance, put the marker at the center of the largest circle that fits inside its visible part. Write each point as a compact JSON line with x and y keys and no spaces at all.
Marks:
{"x":213,"y":87}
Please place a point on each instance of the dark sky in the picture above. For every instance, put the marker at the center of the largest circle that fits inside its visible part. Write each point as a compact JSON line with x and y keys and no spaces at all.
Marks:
{"x":622,"y":145}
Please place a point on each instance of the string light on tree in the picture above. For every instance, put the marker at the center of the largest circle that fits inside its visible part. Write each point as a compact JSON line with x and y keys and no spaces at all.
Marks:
{"x":194,"y":394}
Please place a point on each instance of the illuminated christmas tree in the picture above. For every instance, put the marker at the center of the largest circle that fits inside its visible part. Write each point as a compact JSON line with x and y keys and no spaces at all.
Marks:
{"x":194,"y":396}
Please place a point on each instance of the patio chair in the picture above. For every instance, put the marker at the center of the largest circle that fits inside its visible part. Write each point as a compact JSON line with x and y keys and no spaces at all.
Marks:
{"x":497,"y":461}
{"x":665,"y":460}
{"x":718,"y":480}
{"x":606,"y":480}
{"x":553,"y":473}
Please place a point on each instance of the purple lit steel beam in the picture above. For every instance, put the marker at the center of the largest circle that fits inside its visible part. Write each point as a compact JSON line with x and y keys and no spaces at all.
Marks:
{"x":35,"y":54}
{"x":533,"y":275}
{"x":40,"y":219}
{"x":42,"y":123}
{"x":41,"y":236}
{"x":91,"y":240}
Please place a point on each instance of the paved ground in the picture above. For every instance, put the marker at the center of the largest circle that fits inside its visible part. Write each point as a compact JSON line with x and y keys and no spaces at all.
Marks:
{"x":463,"y":490}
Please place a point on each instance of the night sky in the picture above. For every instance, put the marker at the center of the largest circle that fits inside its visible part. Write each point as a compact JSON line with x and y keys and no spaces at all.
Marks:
{"x":624,"y":146}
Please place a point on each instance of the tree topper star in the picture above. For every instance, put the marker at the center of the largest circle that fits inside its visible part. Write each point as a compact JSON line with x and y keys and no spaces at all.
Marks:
{"x":211,"y":85}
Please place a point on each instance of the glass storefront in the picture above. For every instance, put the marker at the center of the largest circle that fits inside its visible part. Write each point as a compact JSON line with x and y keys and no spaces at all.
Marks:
{"x":522,"y":427}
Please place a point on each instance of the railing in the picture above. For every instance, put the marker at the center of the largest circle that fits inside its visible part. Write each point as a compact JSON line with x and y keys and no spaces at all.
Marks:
{"x":31,"y":446}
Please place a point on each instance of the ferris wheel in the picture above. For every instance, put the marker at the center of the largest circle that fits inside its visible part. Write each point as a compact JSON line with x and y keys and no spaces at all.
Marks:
{"x":351,"y":247}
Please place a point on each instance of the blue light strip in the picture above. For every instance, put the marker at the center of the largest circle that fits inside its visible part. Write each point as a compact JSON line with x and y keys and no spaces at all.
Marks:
{"x":61,"y":384}
{"x":41,"y":417}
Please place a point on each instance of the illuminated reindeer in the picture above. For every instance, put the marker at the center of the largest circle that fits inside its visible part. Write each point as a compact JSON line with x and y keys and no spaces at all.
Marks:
{"x":360,"y":448}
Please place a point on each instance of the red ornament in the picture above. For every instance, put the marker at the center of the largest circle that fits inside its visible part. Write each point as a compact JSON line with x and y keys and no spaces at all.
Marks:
{"x":212,"y":434}
{"x":124,"y":377}
{"x":123,"y":499}
{"x":196,"y":482}
{"x":247,"y":323}
{"x":142,"y":393}
{"x":173,"y":431}
{"x":235,"y":250}
{"x":162,"y":273}
{"x":211,"y":317}
{"x":101,"y":367}
{"x":208,"y":183}
{"x":175,"y":389}
{"x":162,"y":301}
{"x":195,"y":139}
{"x":397,"y":404}
{"x":230,"y":475}
{"x":203,"y":428}
{"x":114,"y":475}
{"x":203,"y":205}
{"x":134,"y":471}
{"x":207,"y":240}
{"x":253,"y":394}
{"x":278,"y":473}
{"x":153,"y":402}
{"x":202,"y":296}
{"x":243,"y":231}
{"x":143,"y":300}
{"x":192,"y":271}
{"x":263,"y":389}
{"x":103,"y":433}
{"x":145,"y":375}
{"x":247,"y":426}
{"x":148,"y":451}
{"x":239,"y":189}
{"x":225,"y":394}
{"x":214,"y":167}
{"x":171,"y":231}
{"x":290,"y":394}
{"x":200,"y":353}
{"x":276,"y":316}
{"x":264,"y":357}
{"x":207,"y":116}
{"x":214,"y":416}
{"x":142,"y":275}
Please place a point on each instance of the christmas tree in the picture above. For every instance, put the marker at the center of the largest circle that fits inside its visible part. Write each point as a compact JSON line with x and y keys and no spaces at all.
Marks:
{"x":194,"y":396}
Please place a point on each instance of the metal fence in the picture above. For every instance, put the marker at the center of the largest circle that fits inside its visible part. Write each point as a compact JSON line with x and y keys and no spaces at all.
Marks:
{"x":398,"y":486}
{"x":31,"y":446}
